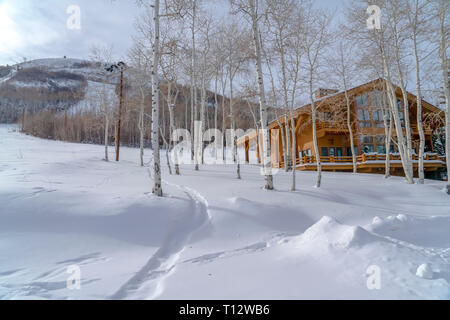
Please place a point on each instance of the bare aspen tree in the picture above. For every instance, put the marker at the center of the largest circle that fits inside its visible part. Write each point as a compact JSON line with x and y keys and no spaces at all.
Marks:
{"x":315,"y":40}
{"x":273,"y":100}
{"x":234,"y":44}
{"x":157,"y":189}
{"x":223,"y":82}
{"x":416,"y":23}
{"x":392,"y":99}
{"x":267,"y":163}
{"x":387,"y":40}
{"x":343,"y":66}
{"x":104,"y":54}
{"x":140,"y":80}
{"x":218,"y":57}
{"x":395,"y":31}
{"x":280,"y":25}
{"x":250,"y":8}
{"x":193,"y":14}
{"x":171,"y":64}
{"x":204,"y":74}
{"x":398,"y":33}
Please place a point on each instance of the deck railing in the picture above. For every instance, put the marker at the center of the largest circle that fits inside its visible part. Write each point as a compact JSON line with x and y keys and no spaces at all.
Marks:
{"x":363,"y":158}
{"x":427,"y":129}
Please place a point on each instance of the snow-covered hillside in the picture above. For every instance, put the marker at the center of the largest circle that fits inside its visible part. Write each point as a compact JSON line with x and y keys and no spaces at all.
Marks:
{"x":212,"y":236}
{"x":91,"y":71}
{"x":54,"y":84}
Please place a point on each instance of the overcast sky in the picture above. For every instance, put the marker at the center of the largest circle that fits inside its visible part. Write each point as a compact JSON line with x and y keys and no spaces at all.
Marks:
{"x":38,"y":29}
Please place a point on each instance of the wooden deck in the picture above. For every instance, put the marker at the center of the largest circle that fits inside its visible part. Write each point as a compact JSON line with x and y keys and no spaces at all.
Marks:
{"x":365,"y":163}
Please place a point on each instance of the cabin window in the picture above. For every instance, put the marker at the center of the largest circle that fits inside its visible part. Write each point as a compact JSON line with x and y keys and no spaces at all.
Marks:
{"x":363,"y":111}
{"x":401,"y":112}
{"x":332,"y":152}
{"x":378,"y":115}
{"x":367,"y":144}
{"x":363,"y":115}
{"x":306,"y":153}
{"x":362,"y":100}
{"x":381,"y":149}
{"x":376,"y":99}
{"x":381,"y":144}
{"x":349,"y":151}
{"x":378,"y":121}
{"x":364,"y":118}
{"x":366,"y":139}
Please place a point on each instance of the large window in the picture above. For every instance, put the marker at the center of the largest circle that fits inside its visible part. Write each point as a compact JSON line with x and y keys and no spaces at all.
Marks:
{"x":363,"y":111}
{"x":401,"y":112}
{"x":306,"y":153}
{"x":364,"y":118}
{"x":367,"y":144}
{"x":375,"y":144}
{"x":381,"y":144}
{"x":349,"y":151}
{"x":362,"y":101}
{"x":332,"y":152}
{"x":371,"y":113}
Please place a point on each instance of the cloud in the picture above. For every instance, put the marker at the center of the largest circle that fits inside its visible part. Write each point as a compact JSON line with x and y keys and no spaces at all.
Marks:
{"x":38,"y":29}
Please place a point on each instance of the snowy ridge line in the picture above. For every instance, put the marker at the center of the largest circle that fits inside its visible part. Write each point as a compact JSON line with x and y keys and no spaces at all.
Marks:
{"x":148,"y":282}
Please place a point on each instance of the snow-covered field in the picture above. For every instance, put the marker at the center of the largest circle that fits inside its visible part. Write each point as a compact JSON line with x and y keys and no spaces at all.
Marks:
{"x":212,"y":236}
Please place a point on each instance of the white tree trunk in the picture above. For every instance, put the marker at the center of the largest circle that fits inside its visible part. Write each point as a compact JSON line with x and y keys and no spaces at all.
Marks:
{"x":350,"y":129}
{"x":193,"y":87}
{"x":142,"y":128}
{"x":216,"y":106}
{"x":233,"y":125}
{"x":392,"y":98}
{"x":171,"y":106}
{"x":294,"y":152}
{"x":288,"y":165}
{"x":157,"y":189}
{"x":314,"y":129}
{"x":202,"y":116}
{"x":388,"y":133}
{"x":267,"y":163}
{"x":419,"y":113}
{"x":408,"y":147}
{"x":106,"y":111}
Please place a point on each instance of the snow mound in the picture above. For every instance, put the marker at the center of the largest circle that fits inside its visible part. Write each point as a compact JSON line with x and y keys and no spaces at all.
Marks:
{"x":425,"y":271}
{"x":423,"y":231}
{"x":331,"y":233}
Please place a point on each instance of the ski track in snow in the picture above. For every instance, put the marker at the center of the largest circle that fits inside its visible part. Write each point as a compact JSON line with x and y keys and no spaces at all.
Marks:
{"x":148,"y":282}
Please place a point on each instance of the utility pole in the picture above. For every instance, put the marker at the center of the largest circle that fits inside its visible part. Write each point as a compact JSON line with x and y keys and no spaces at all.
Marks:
{"x":121,"y":66}
{"x":119,"y":117}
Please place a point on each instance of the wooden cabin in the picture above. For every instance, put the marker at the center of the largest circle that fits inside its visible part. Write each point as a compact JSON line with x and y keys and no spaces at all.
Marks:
{"x":368,"y":107}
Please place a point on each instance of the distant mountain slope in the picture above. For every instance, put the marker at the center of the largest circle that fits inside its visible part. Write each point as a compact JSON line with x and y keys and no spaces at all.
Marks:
{"x":45,"y":84}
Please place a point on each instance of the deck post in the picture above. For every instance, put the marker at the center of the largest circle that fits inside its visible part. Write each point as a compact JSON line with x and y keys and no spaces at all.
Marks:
{"x":258,"y":153}
{"x":247,"y":148}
